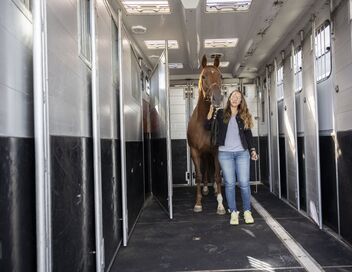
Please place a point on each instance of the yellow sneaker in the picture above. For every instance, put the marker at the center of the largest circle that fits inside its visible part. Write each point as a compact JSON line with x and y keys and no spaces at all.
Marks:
{"x":248,"y":219}
{"x":234,"y":218}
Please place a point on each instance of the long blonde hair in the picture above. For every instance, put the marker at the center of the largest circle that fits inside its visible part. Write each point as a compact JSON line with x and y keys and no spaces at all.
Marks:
{"x":242,"y":111}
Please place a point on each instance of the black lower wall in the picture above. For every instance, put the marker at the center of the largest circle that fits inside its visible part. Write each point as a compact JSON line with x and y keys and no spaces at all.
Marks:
{"x":328,"y":181}
{"x":111,"y":197}
{"x":282,"y":162}
{"x":73,"y":237}
{"x":179,"y":161}
{"x":159,"y":170}
{"x":345,"y":183}
{"x":264,"y":159}
{"x":301,"y":173}
{"x":135,"y":180}
{"x":17,"y":205}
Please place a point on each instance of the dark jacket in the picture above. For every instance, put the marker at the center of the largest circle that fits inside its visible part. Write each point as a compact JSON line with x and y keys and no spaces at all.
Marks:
{"x":245,"y":134}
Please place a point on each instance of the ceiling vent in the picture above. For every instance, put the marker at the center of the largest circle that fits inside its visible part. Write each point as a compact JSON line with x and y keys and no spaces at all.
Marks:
{"x":139,"y":29}
{"x":227,"y":5}
{"x":214,"y":55}
{"x":146,"y":7}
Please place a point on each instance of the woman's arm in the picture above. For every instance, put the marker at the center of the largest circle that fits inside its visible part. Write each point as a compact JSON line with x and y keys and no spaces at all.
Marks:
{"x":249,"y":137}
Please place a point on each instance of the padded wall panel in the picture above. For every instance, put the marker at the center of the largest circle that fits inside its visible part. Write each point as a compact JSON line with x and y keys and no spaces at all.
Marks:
{"x":17,"y":205}
{"x":73,"y":235}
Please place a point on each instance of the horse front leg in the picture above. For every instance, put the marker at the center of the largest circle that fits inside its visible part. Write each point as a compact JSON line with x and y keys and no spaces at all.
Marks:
{"x":205,"y":182}
{"x":196,"y":162}
{"x":219,"y":198}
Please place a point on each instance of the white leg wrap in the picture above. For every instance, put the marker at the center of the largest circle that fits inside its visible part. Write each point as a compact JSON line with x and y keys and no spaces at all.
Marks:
{"x":221,"y":209}
{"x":219,"y":199}
{"x":215,"y":187}
{"x":205,"y":189}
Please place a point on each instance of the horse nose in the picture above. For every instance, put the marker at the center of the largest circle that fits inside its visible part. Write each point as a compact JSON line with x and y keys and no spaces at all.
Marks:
{"x":217,"y":97}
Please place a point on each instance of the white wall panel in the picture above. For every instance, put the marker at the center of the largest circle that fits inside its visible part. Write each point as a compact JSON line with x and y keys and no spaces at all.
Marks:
{"x":343,"y":68}
{"x":69,"y":77}
{"x":107,"y":96}
{"x":16,"y":72}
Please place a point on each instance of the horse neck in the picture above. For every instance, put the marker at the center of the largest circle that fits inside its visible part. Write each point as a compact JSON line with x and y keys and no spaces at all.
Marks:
{"x":202,"y":107}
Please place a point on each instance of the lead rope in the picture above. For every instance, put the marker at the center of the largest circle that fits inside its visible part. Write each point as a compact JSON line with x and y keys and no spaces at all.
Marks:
{"x":214,"y":128}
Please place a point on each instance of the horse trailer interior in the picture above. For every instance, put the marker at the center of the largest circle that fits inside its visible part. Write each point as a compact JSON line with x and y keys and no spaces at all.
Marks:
{"x":96,"y":167}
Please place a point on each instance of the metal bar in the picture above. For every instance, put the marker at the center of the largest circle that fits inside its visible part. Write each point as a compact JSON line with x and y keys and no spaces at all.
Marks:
{"x":42,"y":138}
{"x":295,"y":126}
{"x":316,"y":127}
{"x":99,"y":239}
{"x":268,"y":126}
{"x":168,"y":131}
{"x":122,"y":137}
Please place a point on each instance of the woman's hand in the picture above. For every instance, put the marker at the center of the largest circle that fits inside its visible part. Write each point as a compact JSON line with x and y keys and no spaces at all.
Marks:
{"x":210,"y":113}
{"x":254,"y":155}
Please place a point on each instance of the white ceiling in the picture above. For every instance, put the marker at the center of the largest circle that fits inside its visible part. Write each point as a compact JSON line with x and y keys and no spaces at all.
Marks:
{"x":259,"y":31}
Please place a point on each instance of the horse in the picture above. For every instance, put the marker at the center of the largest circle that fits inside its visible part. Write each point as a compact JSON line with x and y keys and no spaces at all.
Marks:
{"x":199,"y":139}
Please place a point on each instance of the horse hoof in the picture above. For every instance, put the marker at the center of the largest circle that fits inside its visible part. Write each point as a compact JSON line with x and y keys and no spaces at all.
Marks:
{"x":220,"y":211}
{"x":197,"y":208}
{"x":205,"y":192}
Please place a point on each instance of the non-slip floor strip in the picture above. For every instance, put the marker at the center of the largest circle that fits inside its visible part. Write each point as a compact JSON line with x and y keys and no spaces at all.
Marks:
{"x":271,"y":269}
{"x":301,"y":255}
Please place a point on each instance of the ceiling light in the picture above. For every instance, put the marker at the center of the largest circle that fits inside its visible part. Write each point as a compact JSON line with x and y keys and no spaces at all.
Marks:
{"x":227,"y":5}
{"x":224,"y":64}
{"x":176,"y":65}
{"x":220,"y":43}
{"x":160,"y":44}
{"x":146,"y":7}
{"x":139,"y":29}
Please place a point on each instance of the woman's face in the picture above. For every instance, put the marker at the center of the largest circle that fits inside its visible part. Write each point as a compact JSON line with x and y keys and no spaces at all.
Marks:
{"x":235,"y":99}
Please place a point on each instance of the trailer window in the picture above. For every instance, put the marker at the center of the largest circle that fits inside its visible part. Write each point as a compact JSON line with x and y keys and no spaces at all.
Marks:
{"x":322,"y":51}
{"x":280,"y":83}
{"x":84,"y":31}
{"x":297,"y":66}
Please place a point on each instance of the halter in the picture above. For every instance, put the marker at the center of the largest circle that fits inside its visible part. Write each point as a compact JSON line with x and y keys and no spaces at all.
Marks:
{"x":206,"y":88}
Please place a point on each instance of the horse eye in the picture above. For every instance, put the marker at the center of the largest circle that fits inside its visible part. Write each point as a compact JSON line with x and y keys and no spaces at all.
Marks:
{"x":203,"y":77}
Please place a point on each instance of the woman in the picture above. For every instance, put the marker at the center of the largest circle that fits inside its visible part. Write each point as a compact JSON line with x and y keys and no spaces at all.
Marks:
{"x":234,"y":139}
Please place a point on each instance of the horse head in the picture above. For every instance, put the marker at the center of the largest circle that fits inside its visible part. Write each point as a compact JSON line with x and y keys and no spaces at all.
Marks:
{"x":210,"y":82}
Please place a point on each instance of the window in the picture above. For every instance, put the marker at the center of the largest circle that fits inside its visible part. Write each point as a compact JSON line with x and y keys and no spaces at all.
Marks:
{"x":322,"y":51}
{"x":297,"y":67}
{"x":85,"y":49}
{"x":280,"y":83}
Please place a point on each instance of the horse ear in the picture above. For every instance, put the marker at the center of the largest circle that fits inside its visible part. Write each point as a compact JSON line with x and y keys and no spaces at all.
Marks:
{"x":217,"y":61}
{"x":204,"y":61}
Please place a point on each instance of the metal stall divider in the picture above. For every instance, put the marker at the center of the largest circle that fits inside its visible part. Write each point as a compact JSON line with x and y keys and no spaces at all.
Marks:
{"x":131,"y":133}
{"x":274,"y":132}
{"x":311,"y":139}
{"x":290,"y":129}
{"x":160,"y":135}
{"x":122,"y":137}
{"x":99,"y":239}
{"x":42,"y":138}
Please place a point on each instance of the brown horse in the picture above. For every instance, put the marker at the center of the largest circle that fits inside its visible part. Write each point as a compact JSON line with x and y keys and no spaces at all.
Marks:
{"x":202,"y":151}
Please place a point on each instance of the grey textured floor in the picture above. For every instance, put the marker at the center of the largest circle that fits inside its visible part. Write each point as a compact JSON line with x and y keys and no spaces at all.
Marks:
{"x":205,"y":241}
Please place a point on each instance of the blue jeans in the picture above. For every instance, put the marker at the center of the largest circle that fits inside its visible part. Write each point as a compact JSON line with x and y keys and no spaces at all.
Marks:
{"x":236,"y":164}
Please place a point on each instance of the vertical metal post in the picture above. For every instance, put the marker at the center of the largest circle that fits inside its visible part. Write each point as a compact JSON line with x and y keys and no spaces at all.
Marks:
{"x":42,"y":137}
{"x":123,"y":143}
{"x":298,"y":203}
{"x":168,"y":131}
{"x":267,"y":87}
{"x":317,"y":124}
{"x":99,"y":239}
